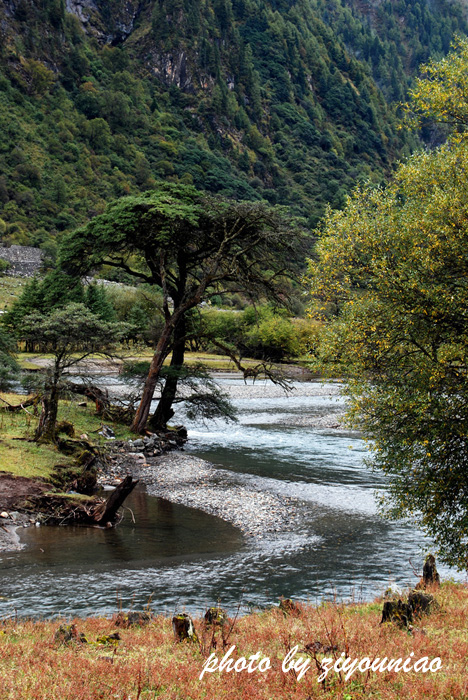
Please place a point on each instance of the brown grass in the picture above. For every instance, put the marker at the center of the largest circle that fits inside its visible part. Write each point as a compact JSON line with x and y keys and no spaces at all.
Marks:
{"x":148,"y":663}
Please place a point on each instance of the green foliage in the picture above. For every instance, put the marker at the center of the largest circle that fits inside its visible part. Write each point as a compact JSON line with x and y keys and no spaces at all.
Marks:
{"x":70,"y":333}
{"x":187,"y":243}
{"x":54,"y":291}
{"x":9,"y":368}
{"x":392,"y":271}
{"x":4,"y":266}
{"x":440,"y":94}
{"x":97,"y":301}
{"x":262,"y":333}
{"x":249,"y":101}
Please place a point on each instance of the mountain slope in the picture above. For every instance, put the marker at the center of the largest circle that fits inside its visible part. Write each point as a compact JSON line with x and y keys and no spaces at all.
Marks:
{"x":282,"y":100}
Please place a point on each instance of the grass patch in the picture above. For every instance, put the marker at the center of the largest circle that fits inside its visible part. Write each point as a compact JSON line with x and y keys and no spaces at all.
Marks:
{"x":10,"y":289}
{"x":30,"y":360}
{"x":22,"y":457}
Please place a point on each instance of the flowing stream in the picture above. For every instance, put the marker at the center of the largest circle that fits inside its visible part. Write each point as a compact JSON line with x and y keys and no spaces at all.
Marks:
{"x":173,"y":557}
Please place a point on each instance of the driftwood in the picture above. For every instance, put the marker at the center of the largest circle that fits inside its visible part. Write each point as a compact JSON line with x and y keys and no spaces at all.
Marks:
{"x":63,"y":510}
{"x":104,"y":407}
{"x":105,"y":513}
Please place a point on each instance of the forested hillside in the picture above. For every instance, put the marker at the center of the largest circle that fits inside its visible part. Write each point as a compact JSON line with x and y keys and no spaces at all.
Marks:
{"x":286,"y":101}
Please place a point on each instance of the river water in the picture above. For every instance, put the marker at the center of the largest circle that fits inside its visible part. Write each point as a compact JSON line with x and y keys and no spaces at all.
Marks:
{"x":173,"y":558}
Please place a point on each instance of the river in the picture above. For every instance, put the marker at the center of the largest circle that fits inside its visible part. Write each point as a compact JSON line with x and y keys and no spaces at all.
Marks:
{"x":173,"y":557}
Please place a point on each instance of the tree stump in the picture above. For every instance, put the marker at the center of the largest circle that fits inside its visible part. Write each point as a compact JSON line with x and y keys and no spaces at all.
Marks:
{"x":422,"y":603}
{"x":183,"y":628}
{"x":398,"y":612}
{"x":67,"y":634}
{"x":430,"y":575}
{"x":289,"y":607}
{"x":216,"y":617}
{"x":133,"y":619}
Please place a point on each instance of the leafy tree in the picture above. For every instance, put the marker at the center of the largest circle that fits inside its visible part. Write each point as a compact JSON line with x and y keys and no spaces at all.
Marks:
{"x":391,"y":275}
{"x":38,"y":78}
{"x":55,"y":291}
{"x":70,"y":334}
{"x":192,"y":247}
{"x":440,"y":95}
{"x":96,"y":300}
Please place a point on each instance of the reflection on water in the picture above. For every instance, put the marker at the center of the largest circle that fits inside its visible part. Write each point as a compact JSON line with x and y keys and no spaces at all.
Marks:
{"x":178,"y":556}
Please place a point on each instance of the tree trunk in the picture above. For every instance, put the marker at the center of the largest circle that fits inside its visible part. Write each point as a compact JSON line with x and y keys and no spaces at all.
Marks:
{"x":160,"y":354}
{"x":164,"y":411}
{"x":107,"y":512}
{"x":45,"y":431}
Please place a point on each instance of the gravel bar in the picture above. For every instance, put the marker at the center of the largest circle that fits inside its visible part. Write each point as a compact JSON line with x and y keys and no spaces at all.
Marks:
{"x":196,"y":483}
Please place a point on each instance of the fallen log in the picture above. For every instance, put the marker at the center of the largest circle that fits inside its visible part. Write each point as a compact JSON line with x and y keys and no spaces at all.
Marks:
{"x":100,"y":398}
{"x":60,"y":509}
{"x":15,"y":408}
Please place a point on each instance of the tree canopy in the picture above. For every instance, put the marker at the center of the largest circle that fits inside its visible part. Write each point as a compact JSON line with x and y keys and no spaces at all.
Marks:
{"x":391,"y":281}
{"x":70,"y":334}
{"x":191,"y":246}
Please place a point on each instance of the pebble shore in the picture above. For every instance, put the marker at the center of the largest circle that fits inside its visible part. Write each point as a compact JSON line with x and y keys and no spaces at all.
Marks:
{"x":194,"y":482}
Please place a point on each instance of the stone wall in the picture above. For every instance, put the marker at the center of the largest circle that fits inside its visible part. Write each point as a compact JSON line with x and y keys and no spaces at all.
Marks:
{"x":25,"y":261}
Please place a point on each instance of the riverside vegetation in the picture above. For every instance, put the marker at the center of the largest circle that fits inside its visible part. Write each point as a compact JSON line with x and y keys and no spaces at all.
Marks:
{"x":146,"y":662}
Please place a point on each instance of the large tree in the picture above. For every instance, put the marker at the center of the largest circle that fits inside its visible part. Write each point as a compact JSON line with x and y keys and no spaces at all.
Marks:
{"x":192,"y":246}
{"x":391,"y":282}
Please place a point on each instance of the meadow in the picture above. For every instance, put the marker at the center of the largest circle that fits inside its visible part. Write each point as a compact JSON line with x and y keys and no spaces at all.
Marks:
{"x":148,"y":663}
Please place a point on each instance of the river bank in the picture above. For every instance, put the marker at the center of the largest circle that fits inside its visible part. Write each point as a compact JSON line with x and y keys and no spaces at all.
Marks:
{"x":184,"y":479}
{"x":191,"y":481}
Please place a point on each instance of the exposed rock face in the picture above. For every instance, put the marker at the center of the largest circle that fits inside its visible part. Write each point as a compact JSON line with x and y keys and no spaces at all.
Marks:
{"x":172,"y":69}
{"x":110,"y":22}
